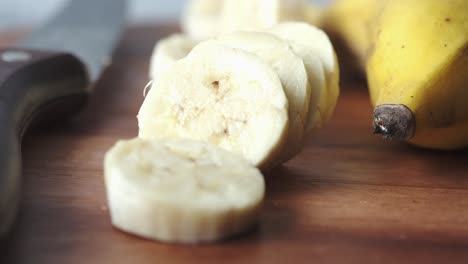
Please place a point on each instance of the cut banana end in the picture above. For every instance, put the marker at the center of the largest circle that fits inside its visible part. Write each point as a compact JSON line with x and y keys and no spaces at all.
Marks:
{"x":292,"y":74}
{"x":179,"y":190}
{"x":309,"y":41}
{"x":240,"y":15}
{"x":168,"y":51}
{"x":221,"y":95}
{"x":201,"y":19}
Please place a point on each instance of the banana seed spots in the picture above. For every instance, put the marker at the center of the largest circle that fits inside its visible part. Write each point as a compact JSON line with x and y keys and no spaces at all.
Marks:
{"x":218,"y":91}
{"x":448,"y":19}
{"x":215,"y":85}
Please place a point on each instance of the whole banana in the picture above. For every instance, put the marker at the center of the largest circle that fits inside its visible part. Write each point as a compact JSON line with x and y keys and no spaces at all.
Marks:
{"x":416,"y":58}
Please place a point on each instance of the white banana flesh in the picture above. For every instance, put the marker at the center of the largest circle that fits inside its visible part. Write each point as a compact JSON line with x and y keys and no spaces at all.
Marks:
{"x":293,"y":76}
{"x":168,"y":51}
{"x":179,"y":190}
{"x":221,"y":95}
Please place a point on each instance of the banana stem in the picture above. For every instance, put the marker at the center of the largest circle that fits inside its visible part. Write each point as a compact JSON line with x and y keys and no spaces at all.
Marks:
{"x":394,"y":121}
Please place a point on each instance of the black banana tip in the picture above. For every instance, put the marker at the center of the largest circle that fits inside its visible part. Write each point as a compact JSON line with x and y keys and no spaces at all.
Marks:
{"x":394,"y":121}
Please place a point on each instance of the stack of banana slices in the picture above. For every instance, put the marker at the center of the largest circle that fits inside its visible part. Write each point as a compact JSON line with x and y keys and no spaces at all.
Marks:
{"x":219,"y":111}
{"x":259,"y":94}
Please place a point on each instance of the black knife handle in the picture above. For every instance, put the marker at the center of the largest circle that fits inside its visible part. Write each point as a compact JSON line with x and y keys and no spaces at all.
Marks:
{"x":35,"y":87}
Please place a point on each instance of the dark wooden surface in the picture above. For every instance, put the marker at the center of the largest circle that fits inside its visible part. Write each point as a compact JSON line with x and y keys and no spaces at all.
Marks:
{"x":348,"y":198}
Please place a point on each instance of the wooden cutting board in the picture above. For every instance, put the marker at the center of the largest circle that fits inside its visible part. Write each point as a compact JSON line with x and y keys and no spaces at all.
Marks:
{"x":348,"y":198}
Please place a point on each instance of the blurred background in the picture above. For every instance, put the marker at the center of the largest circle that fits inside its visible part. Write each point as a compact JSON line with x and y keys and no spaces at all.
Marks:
{"x":21,"y":13}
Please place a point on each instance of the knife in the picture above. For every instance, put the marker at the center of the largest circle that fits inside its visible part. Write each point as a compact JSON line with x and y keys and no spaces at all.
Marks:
{"x":47,"y":77}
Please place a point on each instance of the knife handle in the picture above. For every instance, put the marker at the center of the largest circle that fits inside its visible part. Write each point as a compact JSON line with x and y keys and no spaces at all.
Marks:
{"x":35,"y":87}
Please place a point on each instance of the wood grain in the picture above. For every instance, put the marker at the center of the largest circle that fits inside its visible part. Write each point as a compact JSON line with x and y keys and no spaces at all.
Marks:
{"x":348,"y":198}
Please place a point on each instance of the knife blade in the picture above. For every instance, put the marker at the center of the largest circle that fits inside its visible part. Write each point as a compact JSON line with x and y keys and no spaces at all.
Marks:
{"x":47,"y":77}
{"x":88,"y":29}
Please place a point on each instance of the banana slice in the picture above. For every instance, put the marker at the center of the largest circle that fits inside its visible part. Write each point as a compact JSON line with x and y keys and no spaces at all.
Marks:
{"x":201,"y":18}
{"x":168,"y":51}
{"x":309,"y":42}
{"x":241,"y":15}
{"x":179,"y":190}
{"x":293,"y":76}
{"x":221,"y":95}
